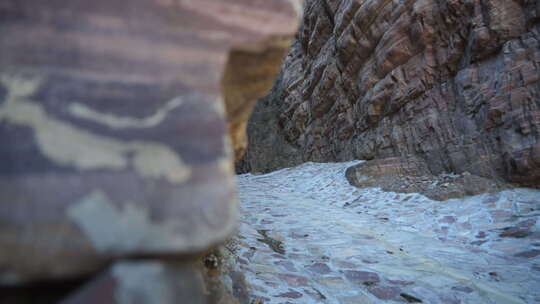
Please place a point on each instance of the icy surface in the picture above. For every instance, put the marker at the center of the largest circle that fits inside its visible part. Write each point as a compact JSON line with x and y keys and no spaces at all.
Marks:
{"x":307,"y":236}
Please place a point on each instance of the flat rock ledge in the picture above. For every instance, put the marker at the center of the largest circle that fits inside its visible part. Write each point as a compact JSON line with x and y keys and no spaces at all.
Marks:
{"x":410,"y":175}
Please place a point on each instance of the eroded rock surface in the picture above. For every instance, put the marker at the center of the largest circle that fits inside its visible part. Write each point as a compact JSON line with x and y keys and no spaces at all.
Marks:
{"x":341,"y":244}
{"x":454,"y":83}
{"x":113,"y":128}
{"x":412,"y":176}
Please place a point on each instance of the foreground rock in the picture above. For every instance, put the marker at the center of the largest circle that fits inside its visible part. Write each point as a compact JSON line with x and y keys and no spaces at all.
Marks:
{"x":341,"y":244}
{"x":453,"y":83}
{"x":412,"y":176}
{"x":143,"y":282}
{"x":114,"y":131}
{"x":165,"y":282}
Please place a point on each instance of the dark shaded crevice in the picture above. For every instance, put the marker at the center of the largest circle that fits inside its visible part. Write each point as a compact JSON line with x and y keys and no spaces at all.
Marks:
{"x":46,"y":292}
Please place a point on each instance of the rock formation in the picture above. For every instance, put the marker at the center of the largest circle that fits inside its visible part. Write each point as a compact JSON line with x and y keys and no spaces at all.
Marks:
{"x":114,"y":135}
{"x":409,"y":175}
{"x":454,"y":83}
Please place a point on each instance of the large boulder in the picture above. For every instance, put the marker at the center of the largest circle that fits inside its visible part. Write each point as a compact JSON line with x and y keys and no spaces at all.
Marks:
{"x":410,"y":175}
{"x":455,"y":83}
{"x":113,"y":126}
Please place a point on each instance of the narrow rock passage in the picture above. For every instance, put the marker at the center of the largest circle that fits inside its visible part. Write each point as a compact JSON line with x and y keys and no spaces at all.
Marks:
{"x":307,"y":236}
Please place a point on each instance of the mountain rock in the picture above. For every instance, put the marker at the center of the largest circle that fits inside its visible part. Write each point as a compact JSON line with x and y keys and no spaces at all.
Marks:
{"x":409,"y":175}
{"x":454,"y":83}
{"x":113,"y":126}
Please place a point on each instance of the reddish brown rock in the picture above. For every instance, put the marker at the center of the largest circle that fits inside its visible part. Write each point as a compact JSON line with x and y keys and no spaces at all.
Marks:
{"x":411,"y":175}
{"x":385,"y":292}
{"x":454,"y":83}
{"x":293,"y":280}
{"x":291,"y":294}
{"x":362,"y":277}
{"x":319,"y":268}
{"x":113,"y":126}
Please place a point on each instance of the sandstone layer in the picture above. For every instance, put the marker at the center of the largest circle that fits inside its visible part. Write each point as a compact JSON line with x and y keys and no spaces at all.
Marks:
{"x":113,"y":127}
{"x":409,"y":175}
{"x":454,"y":83}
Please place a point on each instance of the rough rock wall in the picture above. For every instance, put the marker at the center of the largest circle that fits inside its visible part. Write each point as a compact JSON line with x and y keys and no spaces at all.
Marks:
{"x":454,"y":82}
{"x":249,"y":75}
{"x":114,"y":143}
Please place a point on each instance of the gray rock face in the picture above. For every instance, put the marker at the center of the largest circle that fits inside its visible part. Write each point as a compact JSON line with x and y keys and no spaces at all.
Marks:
{"x":454,"y":83}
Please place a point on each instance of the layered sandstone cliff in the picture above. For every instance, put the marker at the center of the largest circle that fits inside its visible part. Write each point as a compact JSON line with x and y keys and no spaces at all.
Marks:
{"x":453,"y":82}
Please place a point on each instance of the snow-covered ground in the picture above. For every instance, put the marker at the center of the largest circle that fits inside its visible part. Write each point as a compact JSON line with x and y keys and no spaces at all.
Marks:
{"x":307,"y":236}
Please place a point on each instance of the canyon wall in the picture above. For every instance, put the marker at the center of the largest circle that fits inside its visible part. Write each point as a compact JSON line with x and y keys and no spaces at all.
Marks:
{"x":452,"y":82}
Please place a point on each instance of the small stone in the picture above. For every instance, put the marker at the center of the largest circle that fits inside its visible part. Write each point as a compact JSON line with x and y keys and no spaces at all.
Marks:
{"x":271,"y":284}
{"x":315,"y":293}
{"x":500,"y":215}
{"x":291,"y":294}
{"x":401,"y":283}
{"x":319,"y":268}
{"x":293,"y":280}
{"x":410,"y":299}
{"x":465,"y":289}
{"x":288,"y":265}
{"x":527,"y":223}
{"x":448,"y":219}
{"x":296,"y":236}
{"x":528,"y":254}
{"x":385,"y":292}
{"x":369,"y":261}
{"x":478,"y":243}
{"x":335,"y":283}
{"x":481,"y":235}
{"x":492,"y":198}
{"x":360,"y":277}
{"x":515,"y":232}
{"x":357,"y":299}
{"x":344,"y":264}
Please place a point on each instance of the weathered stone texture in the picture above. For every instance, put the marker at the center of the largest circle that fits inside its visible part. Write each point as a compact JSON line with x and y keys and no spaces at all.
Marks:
{"x":113,"y":126}
{"x":453,"y":82}
{"x":143,"y":282}
{"x":409,"y":175}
